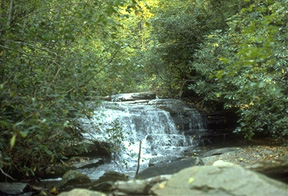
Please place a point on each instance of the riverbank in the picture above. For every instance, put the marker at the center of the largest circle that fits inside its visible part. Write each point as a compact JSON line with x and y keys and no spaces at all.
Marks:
{"x":240,"y":165}
{"x":265,"y":156}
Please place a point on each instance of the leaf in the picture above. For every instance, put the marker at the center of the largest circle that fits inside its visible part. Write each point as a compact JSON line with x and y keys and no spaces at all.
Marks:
{"x":191,"y":180}
{"x":52,"y":159}
{"x":218,"y":94}
{"x":23,"y":133}
{"x":54,"y":191}
{"x":162,"y":185}
{"x":13,"y":140}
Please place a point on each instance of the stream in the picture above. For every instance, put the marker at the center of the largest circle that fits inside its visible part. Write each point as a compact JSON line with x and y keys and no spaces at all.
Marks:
{"x":165,"y":128}
{"x":171,"y":135}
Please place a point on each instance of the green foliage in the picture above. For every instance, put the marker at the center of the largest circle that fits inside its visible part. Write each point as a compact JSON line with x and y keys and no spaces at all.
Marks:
{"x":53,"y":56}
{"x":179,"y":28}
{"x":233,"y":53}
{"x":245,"y":67}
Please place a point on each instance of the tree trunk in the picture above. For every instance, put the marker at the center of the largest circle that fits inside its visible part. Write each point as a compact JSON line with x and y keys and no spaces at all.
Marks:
{"x":3,"y":32}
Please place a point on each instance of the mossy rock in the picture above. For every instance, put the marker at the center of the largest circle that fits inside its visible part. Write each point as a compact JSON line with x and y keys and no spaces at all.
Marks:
{"x":74,"y":178}
{"x":105,"y":182}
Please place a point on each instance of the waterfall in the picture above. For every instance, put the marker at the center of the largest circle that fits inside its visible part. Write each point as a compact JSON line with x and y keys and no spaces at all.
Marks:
{"x":161,"y":126}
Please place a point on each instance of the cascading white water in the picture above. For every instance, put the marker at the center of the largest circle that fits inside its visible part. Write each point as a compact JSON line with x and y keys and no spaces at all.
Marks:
{"x":145,"y":122}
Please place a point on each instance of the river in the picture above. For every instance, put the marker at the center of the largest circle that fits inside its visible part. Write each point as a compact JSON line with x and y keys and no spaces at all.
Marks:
{"x":165,"y":128}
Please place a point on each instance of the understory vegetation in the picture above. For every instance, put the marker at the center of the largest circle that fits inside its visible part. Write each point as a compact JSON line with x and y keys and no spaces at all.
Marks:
{"x":55,"y":56}
{"x":229,"y":52}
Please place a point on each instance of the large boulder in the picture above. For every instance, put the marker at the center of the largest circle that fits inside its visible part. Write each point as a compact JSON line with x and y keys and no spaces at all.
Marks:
{"x":105,"y":182}
{"x":82,"y":192}
{"x":276,"y":168}
{"x":133,"y":96}
{"x":72,"y":179}
{"x":187,"y":120}
{"x":59,"y":169}
{"x":80,"y":158}
{"x":219,"y":151}
{"x":137,"y":187}
{"x":163,"y":160}
{"x":20,"y":189}
{"x":13,"y":188}
{"x":221,"y":179}
{"x":270,"y":161}
{"x":169,"y":168}
{"x":85,"y":162}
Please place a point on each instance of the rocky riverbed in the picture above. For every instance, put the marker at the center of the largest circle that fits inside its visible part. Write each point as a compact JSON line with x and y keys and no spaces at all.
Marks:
{"x":254,"y":168}
{"x":209,"y":172}
{"x":186,"y":158}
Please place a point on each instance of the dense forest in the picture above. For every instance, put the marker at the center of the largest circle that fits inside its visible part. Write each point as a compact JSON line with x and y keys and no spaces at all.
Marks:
{"x":55,"y":55}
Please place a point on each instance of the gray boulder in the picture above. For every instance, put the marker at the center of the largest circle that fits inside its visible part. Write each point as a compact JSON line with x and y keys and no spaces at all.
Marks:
{"x":105,"y":182}
{"x":220,"y":151}
{"x":82,"y":192}
{"x":222,"y":179}
{"x":133,"y":96}
{"x":73,"y":179}
{"x":163,"y":160}
{"x":137,"y":187}
{"x":169,"y":168}
{"x":274,"y":168}
{"x":13,"y":188}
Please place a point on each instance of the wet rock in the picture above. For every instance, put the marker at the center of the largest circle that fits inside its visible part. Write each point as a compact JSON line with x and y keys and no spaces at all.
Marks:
{"x":137,"y":187}
{"x":276,"y":168}
{"x":133,"y":96}
{"x":14,"y":188}
{"x":194,"y":151}
{"x":19,"y":189}
{"x":169,"y":168}
{"x":222,"y":179}
{"x":144,"y":95}
{"x":186,"y":119}
{"x":82,"y":192}
{"x":80,"y":159}
{"x":73,"y":179}
{"x":45,"y":193}
{"x":104,"y":98}
{"x":105,"y":182}
{"x":162,"y":160}
{"x":86,"y":162}
{"x":56,"y":170}
{"x":92,"y":149}
{"x":59,"y":169}
{"x":211,"y":156}
{"x":221,"y":163}
{"x":220,"y":151}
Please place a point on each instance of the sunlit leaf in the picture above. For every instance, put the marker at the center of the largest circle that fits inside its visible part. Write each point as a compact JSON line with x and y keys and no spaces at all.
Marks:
{"x":12,"y":141}
{"x":191,"y":180}
{"x":23,"y":133}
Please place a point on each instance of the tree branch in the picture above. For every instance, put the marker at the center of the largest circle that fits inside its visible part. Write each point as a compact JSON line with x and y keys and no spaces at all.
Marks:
{"x":33,"y":12}
{"x":24,"y":53}
{"x":10,"y":13}
{"x":7,"y":175}
{"x":8,"y":24}
{"x":92,"y":77}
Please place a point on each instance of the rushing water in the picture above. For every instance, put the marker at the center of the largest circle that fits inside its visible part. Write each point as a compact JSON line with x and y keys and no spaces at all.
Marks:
{"x":159,"y":125}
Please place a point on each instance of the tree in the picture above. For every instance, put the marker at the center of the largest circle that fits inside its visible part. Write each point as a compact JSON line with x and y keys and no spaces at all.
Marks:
{"x":232,"y":53}
{"x":55,"y":54}
{"x":245,"y":66}
{"x":179,"y":28}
